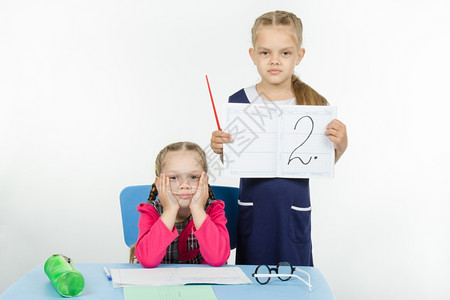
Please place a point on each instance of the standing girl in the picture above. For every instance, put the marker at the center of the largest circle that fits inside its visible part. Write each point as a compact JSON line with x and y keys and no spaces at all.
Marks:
{"x":186,"y":224}
{"x":275,"y":213}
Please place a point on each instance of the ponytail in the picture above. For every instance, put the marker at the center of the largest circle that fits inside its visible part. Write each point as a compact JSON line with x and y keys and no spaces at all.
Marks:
{"x":153,"y":193}
{"x":210,"y":192}
{"x":306,"y":95}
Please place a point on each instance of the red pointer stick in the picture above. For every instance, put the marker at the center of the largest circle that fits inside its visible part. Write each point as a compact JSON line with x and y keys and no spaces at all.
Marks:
{"x":212,"y":102}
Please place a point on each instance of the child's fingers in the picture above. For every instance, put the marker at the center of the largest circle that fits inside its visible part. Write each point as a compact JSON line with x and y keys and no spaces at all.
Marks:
{"x":158,"y":183}
{"x":219,"y":134}
{"x":336,"y":126}
{"x":337,"y":133}
{"x":218,"y":138}
{"x":170,"y":193}
{"x":201,"y":186}
{"x":165,"y":184}
{"x":337,"y":137}
{"x":202,"y":190}
{"x":161,"y":185}
{"x":332,"y":132}
{"x":204,"y":183}
{"x":203,"y":178}
{"x":165,"y":194}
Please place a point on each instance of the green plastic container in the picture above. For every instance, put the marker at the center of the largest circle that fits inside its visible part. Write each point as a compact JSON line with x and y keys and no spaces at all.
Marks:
{"x":67,"y":280}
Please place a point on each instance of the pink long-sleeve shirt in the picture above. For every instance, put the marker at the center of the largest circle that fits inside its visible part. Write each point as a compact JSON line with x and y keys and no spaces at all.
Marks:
{"x":154,"y":236}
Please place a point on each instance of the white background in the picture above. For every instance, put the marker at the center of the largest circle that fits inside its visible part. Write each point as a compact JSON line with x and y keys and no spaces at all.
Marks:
{"x":90,"y":91}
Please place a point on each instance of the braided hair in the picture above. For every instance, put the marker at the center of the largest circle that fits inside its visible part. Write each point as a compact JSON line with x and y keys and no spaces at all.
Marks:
{"x":179,"y":146}
{"x":304,"y":94}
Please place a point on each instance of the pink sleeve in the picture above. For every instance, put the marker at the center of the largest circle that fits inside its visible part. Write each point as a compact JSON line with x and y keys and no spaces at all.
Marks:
{"x":154,"y":237}
{"x":213,"y":237}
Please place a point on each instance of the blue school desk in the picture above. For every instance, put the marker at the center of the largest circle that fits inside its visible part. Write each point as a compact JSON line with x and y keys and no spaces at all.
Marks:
{"x":36,"y":285}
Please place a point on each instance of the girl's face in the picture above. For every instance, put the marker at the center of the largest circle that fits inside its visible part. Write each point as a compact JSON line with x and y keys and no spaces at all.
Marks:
{"x":276,"y":54}
{"x":184,"y":170}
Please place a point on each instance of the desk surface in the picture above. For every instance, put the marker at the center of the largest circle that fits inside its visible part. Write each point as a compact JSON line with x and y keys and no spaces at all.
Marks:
{"x":36,"y":285}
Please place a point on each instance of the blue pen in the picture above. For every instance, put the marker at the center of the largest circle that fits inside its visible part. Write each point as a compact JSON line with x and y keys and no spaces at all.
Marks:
{"x":107,"y":273}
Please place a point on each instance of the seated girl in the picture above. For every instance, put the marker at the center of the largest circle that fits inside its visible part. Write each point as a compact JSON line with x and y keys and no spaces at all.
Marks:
{"x":185,"y":225}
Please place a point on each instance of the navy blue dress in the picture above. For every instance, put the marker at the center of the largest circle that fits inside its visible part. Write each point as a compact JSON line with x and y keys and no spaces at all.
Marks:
{"x":274,"y":222}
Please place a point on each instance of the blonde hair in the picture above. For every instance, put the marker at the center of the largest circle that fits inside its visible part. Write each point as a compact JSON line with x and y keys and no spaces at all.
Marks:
{"x":304,"y":94}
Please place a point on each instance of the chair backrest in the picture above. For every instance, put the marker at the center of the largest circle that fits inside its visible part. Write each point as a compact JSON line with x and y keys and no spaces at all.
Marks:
{"x":229,"y":195}
{"x":131,"y":196}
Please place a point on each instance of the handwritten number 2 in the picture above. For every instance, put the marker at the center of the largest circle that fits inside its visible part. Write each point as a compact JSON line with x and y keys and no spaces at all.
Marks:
{"x":303,"y":142}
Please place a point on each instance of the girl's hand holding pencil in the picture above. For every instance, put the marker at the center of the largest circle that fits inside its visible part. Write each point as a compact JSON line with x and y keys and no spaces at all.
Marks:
{"x":219,"y":138}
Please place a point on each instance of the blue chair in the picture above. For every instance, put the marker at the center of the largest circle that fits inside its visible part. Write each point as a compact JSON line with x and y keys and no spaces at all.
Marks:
{"x":131,"y":196}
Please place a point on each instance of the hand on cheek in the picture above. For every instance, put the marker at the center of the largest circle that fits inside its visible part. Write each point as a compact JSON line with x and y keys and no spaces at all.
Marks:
{"x":201,"y":194}
{"x":197,"y":205}
{"x":166,"y":197}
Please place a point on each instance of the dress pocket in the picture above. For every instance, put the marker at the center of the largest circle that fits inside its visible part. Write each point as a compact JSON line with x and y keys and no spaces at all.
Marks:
{"x":300,"y":224}
{"x":245,"y":221}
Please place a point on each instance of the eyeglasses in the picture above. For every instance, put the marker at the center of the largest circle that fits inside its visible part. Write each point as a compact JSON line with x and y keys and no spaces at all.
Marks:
{"x":284,"y":271}
{"x":176,"y":181}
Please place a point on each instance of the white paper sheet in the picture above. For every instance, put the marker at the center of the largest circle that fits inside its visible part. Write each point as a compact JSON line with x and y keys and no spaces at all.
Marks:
{"x":178,"y":276}
{"x":279,"y":141}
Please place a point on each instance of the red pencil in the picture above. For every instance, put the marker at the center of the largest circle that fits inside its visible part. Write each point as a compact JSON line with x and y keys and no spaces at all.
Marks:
{"x":212,"y":102}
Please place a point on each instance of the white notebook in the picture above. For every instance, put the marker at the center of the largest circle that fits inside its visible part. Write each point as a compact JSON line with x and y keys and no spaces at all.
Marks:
{"x":279,"y":141}
{"x":178,"y":276}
